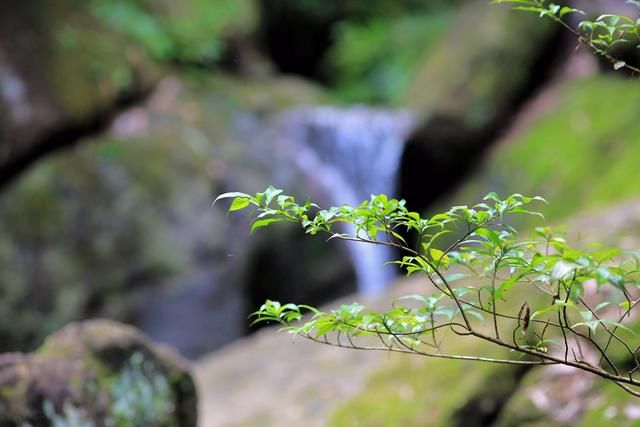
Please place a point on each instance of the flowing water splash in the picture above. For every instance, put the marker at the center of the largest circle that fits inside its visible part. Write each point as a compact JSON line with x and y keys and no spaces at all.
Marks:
{"x":351,"y":153}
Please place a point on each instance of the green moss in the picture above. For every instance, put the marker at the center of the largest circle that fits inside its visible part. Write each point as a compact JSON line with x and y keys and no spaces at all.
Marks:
{"x":479,"y":65}
{"x":415,"y":391}
{"x":581,"y":155}
{"x":88,"y":64}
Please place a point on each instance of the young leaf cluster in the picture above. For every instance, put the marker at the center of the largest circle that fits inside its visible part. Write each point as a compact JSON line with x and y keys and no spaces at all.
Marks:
{"x":533,"y":296}
{"x":602,"y":34}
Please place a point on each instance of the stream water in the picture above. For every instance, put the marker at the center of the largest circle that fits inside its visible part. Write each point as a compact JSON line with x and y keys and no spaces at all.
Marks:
{"x":351,"y":153}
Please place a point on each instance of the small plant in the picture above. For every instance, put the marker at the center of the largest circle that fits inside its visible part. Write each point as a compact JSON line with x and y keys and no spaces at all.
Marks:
{"x":137,"y":395}
{"x":539,"y":297}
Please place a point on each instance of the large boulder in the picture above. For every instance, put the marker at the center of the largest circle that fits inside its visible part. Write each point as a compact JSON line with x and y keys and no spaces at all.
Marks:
{"x":467,"y":88}
{"x":99,"y":372}
{"x":579,"y":152}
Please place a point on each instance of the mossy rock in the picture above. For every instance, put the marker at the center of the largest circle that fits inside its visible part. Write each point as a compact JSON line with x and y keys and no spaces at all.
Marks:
{"x":415,"y":392}
{"x":580,"y":154}
{"x":467,"y":87}
{"x":480,"y":66}
{"x":96,"y":57}
{"x":97,"y":371}
{"x":64,"y":70}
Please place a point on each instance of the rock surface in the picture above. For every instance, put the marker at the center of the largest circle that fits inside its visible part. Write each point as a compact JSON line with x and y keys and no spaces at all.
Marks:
{"x":469,"y":85}
{"x":61,"y":72}
{"x":97,"y":371}
{"x":577,"y":149}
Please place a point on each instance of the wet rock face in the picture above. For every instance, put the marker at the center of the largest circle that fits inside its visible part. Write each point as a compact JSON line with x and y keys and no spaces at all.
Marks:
{"x":97,"y":371}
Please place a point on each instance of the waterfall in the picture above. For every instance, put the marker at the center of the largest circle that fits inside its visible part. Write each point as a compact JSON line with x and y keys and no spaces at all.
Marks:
{"x":351,"y":153}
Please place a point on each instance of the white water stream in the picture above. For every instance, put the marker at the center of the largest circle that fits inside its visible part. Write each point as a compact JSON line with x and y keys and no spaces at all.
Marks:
{"x":352,"y":153}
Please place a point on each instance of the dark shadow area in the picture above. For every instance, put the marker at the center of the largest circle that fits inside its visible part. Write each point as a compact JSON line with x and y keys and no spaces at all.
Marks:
{"x":484,"y":408}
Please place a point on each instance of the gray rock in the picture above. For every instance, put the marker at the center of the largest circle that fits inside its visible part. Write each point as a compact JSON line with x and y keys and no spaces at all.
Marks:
{"x":97,"y":371}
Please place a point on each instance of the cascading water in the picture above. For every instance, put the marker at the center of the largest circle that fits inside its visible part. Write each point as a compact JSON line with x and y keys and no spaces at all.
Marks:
{"x":351,"y":153}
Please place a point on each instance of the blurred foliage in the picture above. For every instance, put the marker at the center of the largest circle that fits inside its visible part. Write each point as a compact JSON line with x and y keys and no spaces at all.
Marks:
{"x":372,"y":48}
{"x":189,"y":31}
{"x":376,"y":52}
{"x":373,"y":61}
{"x":361,"y":9}
{"x":372,"y":56}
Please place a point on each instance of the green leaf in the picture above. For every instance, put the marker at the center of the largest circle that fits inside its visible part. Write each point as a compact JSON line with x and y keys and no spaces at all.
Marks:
{"x":592,"y":324}
{"x":508,"y":284}
{"x":551,"y":309}
{"x":264,"y":222}
{"x":239,"y":203}
{"x":567,"y":10}
{"x":490,"y":235}
{"x":270,"y":193}
{"x":606,"y":275}
{"x":324,"y":326}
{"x":618,"y":325}
{"x":230,"y":195}
{"x":586,"y":315}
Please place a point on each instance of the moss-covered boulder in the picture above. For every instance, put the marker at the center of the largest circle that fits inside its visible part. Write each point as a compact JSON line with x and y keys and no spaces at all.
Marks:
{"x":98,"y":372}
{"x":61,"y":70}
{"x":468,"y":86}
{"x":66,"y":69}
{"x":581,"y":154}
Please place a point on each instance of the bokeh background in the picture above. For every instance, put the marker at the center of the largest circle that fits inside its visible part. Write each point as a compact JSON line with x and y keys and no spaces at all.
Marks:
{"x":122,"y":120}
